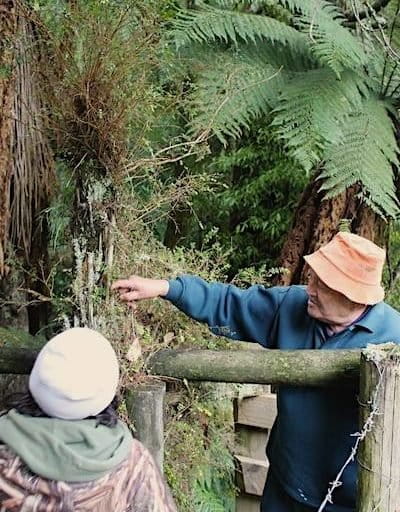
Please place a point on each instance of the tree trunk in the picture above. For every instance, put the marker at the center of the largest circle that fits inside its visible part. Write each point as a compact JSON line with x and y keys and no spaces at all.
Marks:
{"x":26,"y":170}
{"x":315,"y":223}
{"x":8,"y":27}
{"x":92,"y":231}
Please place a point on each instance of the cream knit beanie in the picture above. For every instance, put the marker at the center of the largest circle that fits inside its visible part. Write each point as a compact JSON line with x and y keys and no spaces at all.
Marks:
{"x":75,"y":375}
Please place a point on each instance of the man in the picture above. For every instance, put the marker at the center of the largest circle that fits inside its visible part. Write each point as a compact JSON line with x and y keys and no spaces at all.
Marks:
{"x":340,"y":308}
{"x":62,"y":446}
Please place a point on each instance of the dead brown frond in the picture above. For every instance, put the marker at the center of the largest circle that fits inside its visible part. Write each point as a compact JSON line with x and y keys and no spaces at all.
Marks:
{"x":8,"y":28}
{"x":32,"y":160}
{"x":98,"y":86}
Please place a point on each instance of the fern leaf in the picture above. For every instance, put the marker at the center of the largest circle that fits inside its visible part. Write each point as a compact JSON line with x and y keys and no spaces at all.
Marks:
{"x":227,"y":98}
{"x":310,"y":111}
{"x":365,"y":154}
{"x":278,"y":56}
{"x":212,"y":24}
{"x":331,"y":42}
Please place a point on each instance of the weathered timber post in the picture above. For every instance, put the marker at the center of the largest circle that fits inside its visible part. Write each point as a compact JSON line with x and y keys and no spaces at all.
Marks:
{"x":145,"y":405}
{"x":379,"y":452}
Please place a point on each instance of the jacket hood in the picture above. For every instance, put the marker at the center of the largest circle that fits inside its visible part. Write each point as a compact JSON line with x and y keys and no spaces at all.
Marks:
{"x":71,"y":451}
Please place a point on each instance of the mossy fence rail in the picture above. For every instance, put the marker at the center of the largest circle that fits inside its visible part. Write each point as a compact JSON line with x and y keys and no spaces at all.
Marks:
{"x":377,"y":369}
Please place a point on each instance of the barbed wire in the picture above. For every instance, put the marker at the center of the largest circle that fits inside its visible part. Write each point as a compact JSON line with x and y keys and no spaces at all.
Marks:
{"x":360,"y":436}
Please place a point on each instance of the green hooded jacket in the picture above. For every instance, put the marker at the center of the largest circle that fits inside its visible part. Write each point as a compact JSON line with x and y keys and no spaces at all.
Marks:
{"x":71,"y":451}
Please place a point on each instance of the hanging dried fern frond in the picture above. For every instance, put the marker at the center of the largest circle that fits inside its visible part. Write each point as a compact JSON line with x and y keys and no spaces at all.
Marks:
{"x":8,"y":28}
{"x":32,"y":161}
{"x":365,"y":154}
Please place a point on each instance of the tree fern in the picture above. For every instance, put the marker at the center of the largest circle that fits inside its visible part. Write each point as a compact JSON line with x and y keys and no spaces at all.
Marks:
{"x":213,"y":24}
{"x":310,"y":110}
{"x":307,"y":72}
{"x":228,"y":97}
{"x":365,"y":154}
{"x":332,"y":43}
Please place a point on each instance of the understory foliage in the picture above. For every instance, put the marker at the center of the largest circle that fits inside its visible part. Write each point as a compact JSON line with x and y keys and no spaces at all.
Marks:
{"x":330,"y":93}
{"x":112,"y":130}
{"x":252,"y":206}
{"x":201,"y":419}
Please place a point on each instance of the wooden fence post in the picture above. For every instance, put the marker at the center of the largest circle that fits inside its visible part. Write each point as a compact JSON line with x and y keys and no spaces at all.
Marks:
{"x":145,"y":406}
{"x":379,"y":452}
{"x":254,"y":416}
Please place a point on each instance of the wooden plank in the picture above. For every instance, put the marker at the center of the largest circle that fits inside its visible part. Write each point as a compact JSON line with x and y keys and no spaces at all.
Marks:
{"x":247,"y":504}
{"x":252,"y":474}
{"x":258,"y":411}
{"x":251,"y":442}
{"x":246,"y":390}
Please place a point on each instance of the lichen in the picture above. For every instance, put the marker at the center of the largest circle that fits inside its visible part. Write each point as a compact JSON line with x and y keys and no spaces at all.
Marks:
{"x":382,"y":352}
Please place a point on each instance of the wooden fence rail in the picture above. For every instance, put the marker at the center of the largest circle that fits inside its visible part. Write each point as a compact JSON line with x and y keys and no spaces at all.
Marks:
{"x":290,"y":367}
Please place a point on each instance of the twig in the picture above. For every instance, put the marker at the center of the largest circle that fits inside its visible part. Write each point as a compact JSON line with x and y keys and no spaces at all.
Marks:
{"x":201,"y":138}
{"x":376,"y":7}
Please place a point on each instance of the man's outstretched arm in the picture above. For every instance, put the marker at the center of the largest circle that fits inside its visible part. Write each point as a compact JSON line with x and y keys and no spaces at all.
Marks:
{"x":227,"y":310}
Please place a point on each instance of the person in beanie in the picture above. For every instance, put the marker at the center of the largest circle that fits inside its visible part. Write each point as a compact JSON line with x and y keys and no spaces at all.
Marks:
{"x":62,"y":446}
{"x":341,"y":308}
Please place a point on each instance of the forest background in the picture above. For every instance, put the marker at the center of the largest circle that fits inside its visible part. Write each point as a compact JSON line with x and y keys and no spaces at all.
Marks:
{"x":222,"y":138}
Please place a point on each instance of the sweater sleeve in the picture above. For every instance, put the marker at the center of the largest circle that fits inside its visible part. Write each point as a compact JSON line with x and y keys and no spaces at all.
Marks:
{"x":247,"y":315}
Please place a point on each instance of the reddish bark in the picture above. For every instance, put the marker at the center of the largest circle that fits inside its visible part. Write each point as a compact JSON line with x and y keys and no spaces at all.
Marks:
{"x":317,"y":221}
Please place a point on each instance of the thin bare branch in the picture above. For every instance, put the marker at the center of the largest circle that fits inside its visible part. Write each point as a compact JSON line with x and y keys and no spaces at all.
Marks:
{"x":375,"y":7}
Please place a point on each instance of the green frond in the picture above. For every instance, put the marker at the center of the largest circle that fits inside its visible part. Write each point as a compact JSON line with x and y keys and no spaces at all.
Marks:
{"x":310,"y":112}
{"x":331,"y":42}
{"x":208,"y":24}
{"x":278,"y":56}
{"x":365,"y":154}
{"x":227,"y":98}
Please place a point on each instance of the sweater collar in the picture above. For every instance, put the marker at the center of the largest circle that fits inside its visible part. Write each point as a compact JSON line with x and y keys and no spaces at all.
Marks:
{"x":371,"y":318}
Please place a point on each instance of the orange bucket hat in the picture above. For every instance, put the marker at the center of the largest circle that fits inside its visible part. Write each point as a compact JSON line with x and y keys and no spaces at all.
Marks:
{"x":351,"y":265}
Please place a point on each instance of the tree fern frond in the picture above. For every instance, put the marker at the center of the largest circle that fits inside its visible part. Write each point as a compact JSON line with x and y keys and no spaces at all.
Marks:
{"x":366,"y":153}
{"x":212,"y":24}
{"x":278,"y":56}
{"x":330,"y":41}
{"x":228,"y":97}
{"x":310,"y":111}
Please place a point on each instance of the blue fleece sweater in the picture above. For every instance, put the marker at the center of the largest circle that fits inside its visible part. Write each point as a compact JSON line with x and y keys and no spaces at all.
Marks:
{"x":311,"y":437}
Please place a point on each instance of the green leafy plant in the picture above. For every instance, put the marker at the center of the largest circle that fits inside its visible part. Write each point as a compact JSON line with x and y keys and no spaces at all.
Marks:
{"x":202,"y":426}
{"x":312,"y":75}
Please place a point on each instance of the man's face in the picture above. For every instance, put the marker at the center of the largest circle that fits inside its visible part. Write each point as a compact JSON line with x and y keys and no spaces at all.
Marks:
{"x":327,"y":305}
